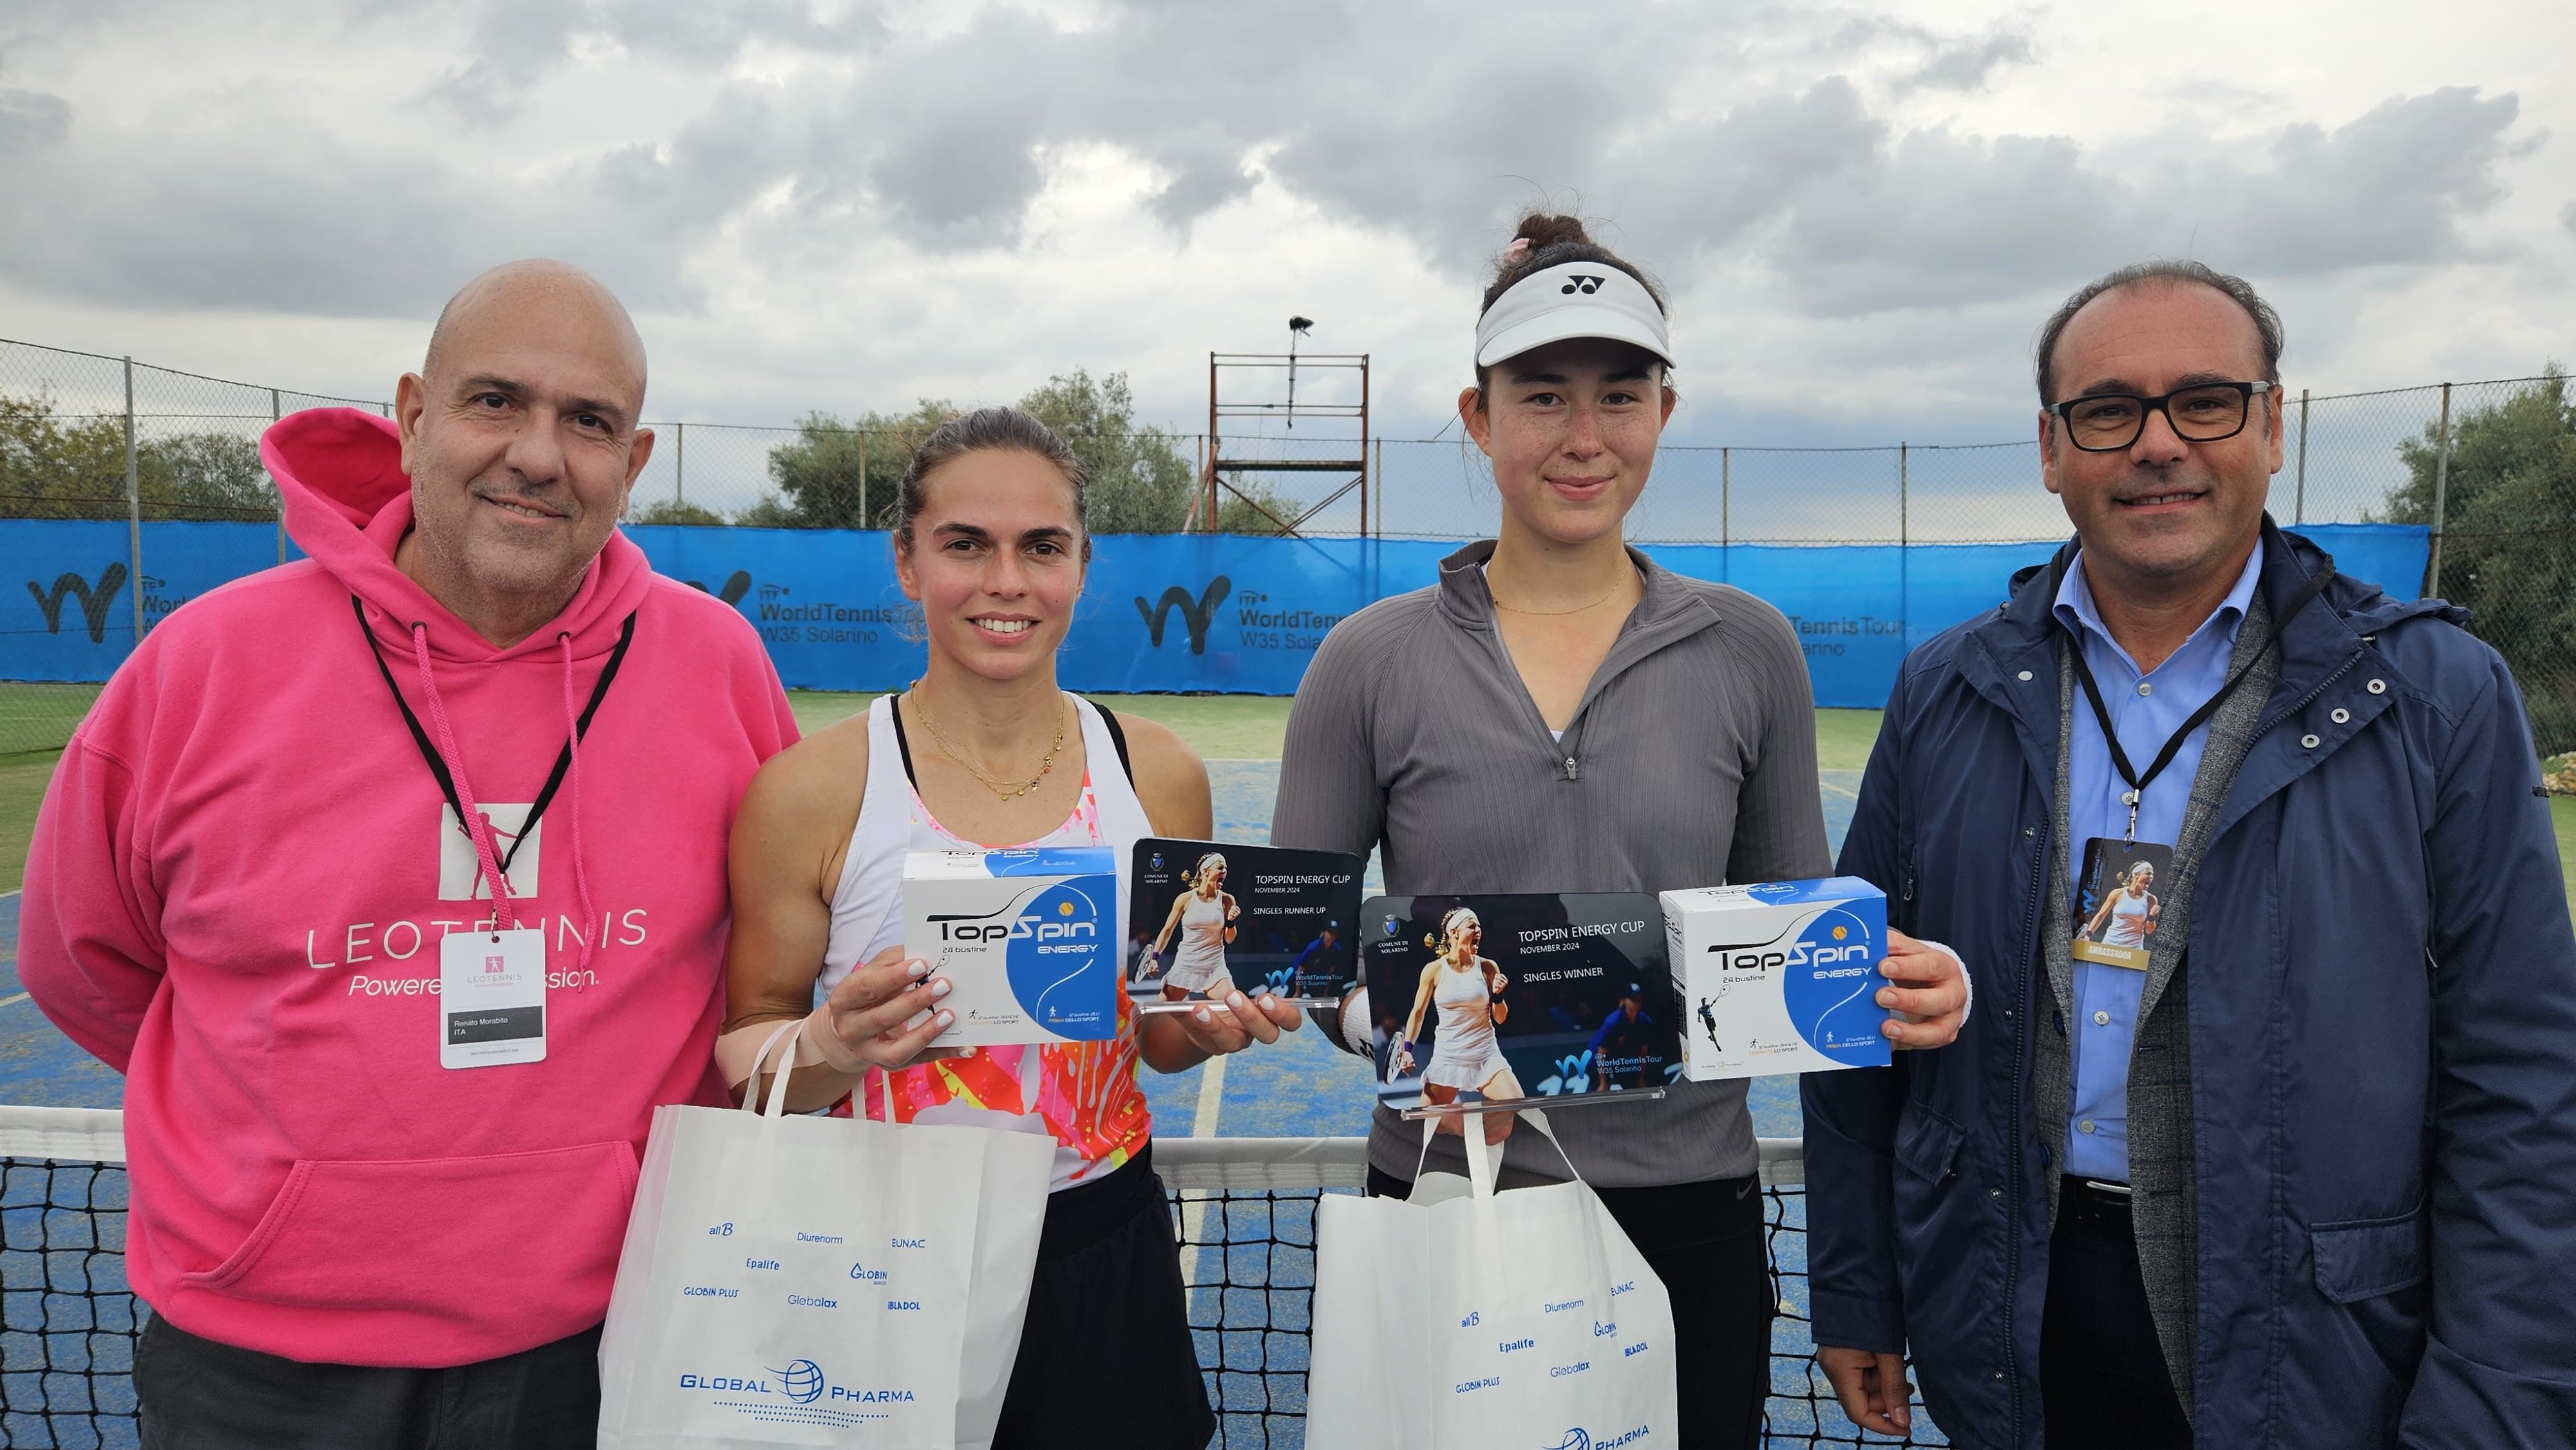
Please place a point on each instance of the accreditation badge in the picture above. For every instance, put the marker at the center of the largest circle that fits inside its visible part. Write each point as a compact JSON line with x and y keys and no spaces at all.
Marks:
{"x":491,"y":997}
{"x":2119,"y":901}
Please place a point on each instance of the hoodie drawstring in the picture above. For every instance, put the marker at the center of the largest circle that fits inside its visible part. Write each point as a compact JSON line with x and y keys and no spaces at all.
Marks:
{"x":580,"y":874}
{"x":475,"y":825}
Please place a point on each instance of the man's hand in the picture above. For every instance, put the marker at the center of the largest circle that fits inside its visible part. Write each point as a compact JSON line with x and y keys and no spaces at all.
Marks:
{"x":1872,"y":1387}
{"x":1928,"y":986}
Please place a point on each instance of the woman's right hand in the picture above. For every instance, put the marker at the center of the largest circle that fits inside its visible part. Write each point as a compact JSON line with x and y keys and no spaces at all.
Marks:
{"x":866,"y":1013}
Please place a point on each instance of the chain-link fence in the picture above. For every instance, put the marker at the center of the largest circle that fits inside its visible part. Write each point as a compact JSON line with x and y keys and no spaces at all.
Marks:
{"x":106,"y":439}
{"x":2491,"y":466}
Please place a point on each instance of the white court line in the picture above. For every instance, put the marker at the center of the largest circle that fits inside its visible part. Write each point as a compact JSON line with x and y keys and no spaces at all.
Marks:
{"x":1194,"y":1203}
{"x":1845,"y":792}
{"x":8,"y":1001}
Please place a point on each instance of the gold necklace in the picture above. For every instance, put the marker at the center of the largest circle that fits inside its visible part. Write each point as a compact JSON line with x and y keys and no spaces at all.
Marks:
{"x":1001,"y":788}
{"x":1556,"y":613}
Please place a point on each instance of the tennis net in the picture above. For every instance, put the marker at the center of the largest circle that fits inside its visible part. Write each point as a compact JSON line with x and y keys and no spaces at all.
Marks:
{"x":1246,"y":1212}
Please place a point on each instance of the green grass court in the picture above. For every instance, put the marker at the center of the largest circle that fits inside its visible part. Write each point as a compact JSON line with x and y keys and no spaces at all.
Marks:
{"x":1219,"y":727}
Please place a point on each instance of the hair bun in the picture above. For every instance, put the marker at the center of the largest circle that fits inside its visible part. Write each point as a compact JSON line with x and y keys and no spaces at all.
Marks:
{"x":1545,"y":229}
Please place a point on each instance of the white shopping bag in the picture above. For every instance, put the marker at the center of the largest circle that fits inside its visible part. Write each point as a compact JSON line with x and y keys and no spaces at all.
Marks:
{"x":1468,"y":1321}
{"x":793,"y":1280}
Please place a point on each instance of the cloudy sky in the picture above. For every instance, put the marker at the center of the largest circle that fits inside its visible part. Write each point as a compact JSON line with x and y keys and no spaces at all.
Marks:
{"x":1861,"y":213}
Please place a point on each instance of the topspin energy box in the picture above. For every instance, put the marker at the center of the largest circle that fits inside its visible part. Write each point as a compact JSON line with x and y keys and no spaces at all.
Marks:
{"x":1028,"y":937}
{"x":1778,"y":977}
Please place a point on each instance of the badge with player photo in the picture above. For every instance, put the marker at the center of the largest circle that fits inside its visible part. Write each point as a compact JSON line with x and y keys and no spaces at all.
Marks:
{"x":1205,"y":918}
{"x":2120,"y":901}
{"x":1500,"y":999}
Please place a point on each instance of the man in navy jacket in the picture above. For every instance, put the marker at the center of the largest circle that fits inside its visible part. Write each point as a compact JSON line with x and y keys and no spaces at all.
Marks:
{"x":2297,"y":1166}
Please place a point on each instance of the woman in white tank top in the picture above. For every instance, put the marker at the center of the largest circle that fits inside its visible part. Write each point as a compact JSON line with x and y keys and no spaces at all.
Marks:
{"x":2128,"y":915}
{"x":1466,"y":989}
{"x":986,"y":751}
{"x":1204,"y":916}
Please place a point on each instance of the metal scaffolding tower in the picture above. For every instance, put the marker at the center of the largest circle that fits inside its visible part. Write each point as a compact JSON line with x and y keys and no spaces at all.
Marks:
{"x":1263,"y":386}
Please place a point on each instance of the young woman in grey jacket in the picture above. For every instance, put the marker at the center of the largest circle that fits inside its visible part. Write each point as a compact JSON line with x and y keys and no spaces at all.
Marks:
{"x":1560,"y":713}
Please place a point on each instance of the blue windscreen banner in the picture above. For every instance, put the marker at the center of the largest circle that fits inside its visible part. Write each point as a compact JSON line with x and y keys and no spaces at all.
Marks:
{"x":1176,"y":613}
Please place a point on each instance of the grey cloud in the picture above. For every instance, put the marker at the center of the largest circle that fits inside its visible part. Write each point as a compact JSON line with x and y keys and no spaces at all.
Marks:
{"x":1938,"y":60}
{"x":1423,"y":123}
{"x":305,"y":223}
{"x":1201,"y":173}
{"x":2389,"y":187}
{"x":516,"y":44}
{"x":2567,"y":218}
{"x":1966,"y":65}
{"x":32,"y":22}
{"x":940,"y":139}
{"x":32,"y":121}
{"x":1722,"y":178}
{"x":1941,"y":219}
{"x":1938,"y":220}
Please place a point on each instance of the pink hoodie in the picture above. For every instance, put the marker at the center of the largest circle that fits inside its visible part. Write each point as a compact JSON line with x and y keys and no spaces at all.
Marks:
{"x":238,"y":886}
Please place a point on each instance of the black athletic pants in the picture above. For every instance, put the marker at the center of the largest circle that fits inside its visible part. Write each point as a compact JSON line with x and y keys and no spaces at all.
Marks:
{"x":1704,"y":1240}
{"x":2102,"y":1378}
{"x":197,"y":1394}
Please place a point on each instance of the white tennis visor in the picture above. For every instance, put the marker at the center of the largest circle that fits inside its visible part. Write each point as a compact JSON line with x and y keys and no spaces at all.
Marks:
{"x":1572,"y":299}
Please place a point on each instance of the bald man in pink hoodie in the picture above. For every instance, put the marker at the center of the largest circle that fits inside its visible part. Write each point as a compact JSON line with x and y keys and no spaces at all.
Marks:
{"x":382,"y":1120}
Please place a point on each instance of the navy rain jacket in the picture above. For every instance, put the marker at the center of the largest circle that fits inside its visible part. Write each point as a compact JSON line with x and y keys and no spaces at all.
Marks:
{"x":2383,"y":1045}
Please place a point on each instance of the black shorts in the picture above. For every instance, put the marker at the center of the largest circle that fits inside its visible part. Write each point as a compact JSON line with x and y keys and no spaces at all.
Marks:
{"x":1106,"y":1357}
{"x":1705,"y":1241}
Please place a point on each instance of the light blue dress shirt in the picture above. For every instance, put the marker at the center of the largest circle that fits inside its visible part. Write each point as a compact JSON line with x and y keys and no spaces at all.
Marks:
{"x":2145,"y":709}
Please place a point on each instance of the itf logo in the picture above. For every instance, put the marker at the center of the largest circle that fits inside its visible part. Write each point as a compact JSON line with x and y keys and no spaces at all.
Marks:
{"x":94,"y":599}
{"x":734,"y":588}
{"x":1197,"y":614}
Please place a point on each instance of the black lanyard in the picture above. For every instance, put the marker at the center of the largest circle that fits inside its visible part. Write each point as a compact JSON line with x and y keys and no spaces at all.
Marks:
{"x":2120,"y":758}
{"x":438,"y":767}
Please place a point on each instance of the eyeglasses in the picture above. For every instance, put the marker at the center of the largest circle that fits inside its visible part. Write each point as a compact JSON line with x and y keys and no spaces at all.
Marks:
{"x":2201,"y":413}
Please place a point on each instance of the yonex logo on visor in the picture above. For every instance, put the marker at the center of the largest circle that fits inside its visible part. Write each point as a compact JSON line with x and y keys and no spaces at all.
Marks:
{"x":1574,"y":299}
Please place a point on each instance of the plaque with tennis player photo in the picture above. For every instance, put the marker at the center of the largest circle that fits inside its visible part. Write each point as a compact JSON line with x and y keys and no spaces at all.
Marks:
{"x":1502,"y":999}
{"x":1205,"y":919}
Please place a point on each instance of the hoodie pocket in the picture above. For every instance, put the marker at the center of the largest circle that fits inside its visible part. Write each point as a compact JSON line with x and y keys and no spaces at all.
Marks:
{"x":446,"y":1237}
{"x":2368,"y":1257}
